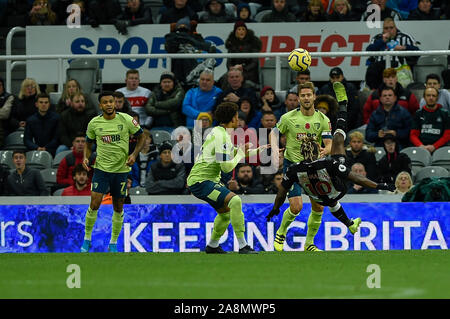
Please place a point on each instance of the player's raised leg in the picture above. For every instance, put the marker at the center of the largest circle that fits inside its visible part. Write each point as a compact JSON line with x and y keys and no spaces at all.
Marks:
{"x":91,"y":218}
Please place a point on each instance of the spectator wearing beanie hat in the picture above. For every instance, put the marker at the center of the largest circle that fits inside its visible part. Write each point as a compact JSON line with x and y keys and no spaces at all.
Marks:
{"x":269,"y":101}
{"x":244,"y":40}
{"x":165,"y":177}
{"x":206,"y":119}
{"x":164,"y":105}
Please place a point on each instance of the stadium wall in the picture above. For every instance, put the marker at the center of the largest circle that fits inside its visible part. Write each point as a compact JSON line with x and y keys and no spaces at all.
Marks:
{"x":276,"y":37}
{"x":184,"y":224}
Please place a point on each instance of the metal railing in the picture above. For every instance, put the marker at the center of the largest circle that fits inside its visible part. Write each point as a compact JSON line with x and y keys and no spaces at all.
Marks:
{"x":60,"y":58}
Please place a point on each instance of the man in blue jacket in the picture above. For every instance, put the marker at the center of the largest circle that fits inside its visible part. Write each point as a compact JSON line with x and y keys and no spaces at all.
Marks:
{"x":200,"y":99}
{"x":389,"y":118}
{"x":42,"y":127}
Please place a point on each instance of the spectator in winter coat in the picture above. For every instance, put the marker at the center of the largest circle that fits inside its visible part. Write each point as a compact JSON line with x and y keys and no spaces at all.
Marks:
{"x":358,"y":153}
{"x":394,"y":162}
{"x":404,"y":96}
{"x":280,"y":13}
{"x":200,"y":99}
{"x":243,"y":13}
{"x":236,"y":91}
{"x":165,"y":177}
{"x":389,"y":118}
{"x":7,"y":101}
{"x":41,"y":131}
{"x":424,"y":11}
{"x":26,"y":104}
{"x":269,"y":101}
{"x":135,"y":13}
{"x":73,"y":120}
{"x":179,"y":10}
{"x":25,"y":181}
{"x":343,"y":12}
{"x":103,"y":12}
{"x":164,"y":105}
{"x":244,"y":40}
{"x":314,"y":13}
{"x":216,"y":13}
{"x":353,"y":109}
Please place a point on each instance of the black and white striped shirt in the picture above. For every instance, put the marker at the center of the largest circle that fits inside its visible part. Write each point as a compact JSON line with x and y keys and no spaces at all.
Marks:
{"x":403,"y":39}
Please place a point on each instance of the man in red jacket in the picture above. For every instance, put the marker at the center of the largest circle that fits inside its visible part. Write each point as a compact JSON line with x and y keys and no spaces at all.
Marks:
{"x":404,"y":97}
{"x":81,"y":186}
{"x":64,"y":173}
{"x":431,"y":125}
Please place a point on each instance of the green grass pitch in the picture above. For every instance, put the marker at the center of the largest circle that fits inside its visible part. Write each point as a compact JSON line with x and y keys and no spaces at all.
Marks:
{"x":335,"y":274}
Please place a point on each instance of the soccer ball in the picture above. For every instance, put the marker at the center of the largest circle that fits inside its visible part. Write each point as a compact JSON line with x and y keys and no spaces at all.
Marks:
{"x":299,"y":59}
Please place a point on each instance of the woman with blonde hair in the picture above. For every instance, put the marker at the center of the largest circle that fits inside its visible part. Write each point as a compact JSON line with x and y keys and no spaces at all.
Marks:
{"x":25,"y":106}
{"x":314,"y":13}
{"x":343,"y":12}
{"x":71,"y":87}
{"x":403,"y":183}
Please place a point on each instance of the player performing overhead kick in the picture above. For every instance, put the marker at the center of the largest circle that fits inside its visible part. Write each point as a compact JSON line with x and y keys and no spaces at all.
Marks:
{"x":324,"y":179}
{"x":219,"y":154}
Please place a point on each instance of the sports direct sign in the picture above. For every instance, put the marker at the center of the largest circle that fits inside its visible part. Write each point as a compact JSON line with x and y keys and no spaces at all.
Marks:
{"x":188,"y":227}
{"x":276,"y":37}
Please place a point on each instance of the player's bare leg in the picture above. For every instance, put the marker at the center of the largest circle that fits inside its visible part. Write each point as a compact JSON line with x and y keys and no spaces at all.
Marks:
{"x":91,"y":218}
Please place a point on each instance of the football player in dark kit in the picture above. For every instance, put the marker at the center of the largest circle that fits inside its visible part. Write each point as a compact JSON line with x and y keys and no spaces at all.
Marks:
{"x":324,"y":179}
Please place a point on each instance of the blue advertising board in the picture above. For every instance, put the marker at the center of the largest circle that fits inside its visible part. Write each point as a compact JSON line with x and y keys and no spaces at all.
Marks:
{"x":187,"y":228}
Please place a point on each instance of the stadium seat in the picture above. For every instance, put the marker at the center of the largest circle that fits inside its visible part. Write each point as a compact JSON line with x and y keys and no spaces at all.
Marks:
{"x":429,"y":64}
{"x":58,"y":158}
{"x":254,"y":7}
{"x":49,"y":177}
{"x":58,"y":192}
{"x":419,"y":156}
{"x":379,"y":152}
{"x":138,"y":190}
{"x":281,"y":95}
{"x":441,"y":157}
{"x":230,"y":9}
{"x":362,"y":130}
{"x":267,"y":74}
{"x":14,"y":141}
{"x":39,"y":159}
{"x":160,"y":136}
{"x":431,"y":171}
{"x":6,"y":159}
{"x":87,"y":72}
{"x":201,"y":14}
{"x":54,"y":98}
{"x":363,"y":96}
{"x":261,"y":14}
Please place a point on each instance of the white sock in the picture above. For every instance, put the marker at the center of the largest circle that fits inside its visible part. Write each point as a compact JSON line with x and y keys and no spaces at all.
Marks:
{"x":213,"y":243}
{"x":242,"y":242}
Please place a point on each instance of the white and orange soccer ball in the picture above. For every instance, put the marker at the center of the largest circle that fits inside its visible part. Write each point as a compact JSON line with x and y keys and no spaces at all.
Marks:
{"x":299,"y":59}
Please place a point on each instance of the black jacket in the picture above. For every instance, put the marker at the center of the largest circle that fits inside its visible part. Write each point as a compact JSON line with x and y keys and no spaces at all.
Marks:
{"x":256,"y":187}
{"x":391,"y":164}
{"x":103,"y":12}
{"x":354,"y":111}
{"x":22,"y":110}
{"x":142,"y":16}
{"x":367,"y":159}
{"x":165,"y":180}
{"x":283,"y":16}
{"x":173,"y":14}
{"x":30,"y":183}
{"x":42,"y":131}
{"x":222,"y":17}
{"x":420,"y":15}
{"x":71,"y":123}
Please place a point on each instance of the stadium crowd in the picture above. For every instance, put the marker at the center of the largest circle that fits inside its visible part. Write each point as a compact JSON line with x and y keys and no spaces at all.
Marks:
{"x":182,"y":104}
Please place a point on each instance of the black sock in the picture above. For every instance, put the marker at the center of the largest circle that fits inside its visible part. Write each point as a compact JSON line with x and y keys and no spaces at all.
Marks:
{"x":342,"y":217}
{"x":341,"y":122}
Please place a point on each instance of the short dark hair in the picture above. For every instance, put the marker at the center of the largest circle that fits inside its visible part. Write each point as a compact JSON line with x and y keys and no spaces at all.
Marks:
{"x":19,"y":152}
{"x":387,"y":88}
{"x":240,"y":165}
{"x":72,"y":96}
{"x":307,"y":72}
{"x":290,"y":92}
{"x":78,"y":169}
{"x":268,"y":113}
{"x":225,"y":112}
{"x":105,"y":93}
{"x":42,"y":95}
{"x":79,"y":134}
{"x":131,"y":71}
{"x":433,"y":76}
{"x":306,"y":85}
{"x":118,"y":94}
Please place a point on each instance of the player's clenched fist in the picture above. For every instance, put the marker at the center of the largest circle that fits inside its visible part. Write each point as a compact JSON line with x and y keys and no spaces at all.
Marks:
{"x":272,"y":213}
{"x":131,"y":160}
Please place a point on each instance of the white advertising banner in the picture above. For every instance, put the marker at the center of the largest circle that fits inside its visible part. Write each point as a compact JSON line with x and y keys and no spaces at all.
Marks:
{"x":276,"y":37}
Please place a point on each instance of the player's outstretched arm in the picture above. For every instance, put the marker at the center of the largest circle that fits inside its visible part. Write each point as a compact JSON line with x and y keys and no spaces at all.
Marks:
{"x":363,"y":181}
{"x":279,"y":200}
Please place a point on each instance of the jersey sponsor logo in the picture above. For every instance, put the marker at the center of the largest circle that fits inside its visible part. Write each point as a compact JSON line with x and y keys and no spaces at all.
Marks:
{"x":301,"y":135}
{"x":108,"y":139}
